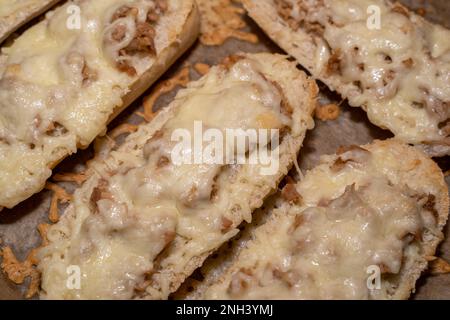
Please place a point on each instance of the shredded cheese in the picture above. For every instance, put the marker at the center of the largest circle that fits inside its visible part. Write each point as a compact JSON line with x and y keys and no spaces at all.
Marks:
{"x":60,"y":85}
{"x":221,"y":20}
{"x":59,"y":195}
{"x":138,"y":204}
{"x":397,"y":71}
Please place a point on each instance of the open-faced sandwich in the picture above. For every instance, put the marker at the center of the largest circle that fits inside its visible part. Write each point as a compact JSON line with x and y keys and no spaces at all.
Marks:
{"x":380,"y":56}
{"x":154,"y":209}
{"x":64,"y":79}
{"x":361,"y":225}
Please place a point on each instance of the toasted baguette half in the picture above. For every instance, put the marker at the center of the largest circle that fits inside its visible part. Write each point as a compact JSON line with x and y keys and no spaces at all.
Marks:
{"x":15,"y":13}
{"x":63,"y":82}
{"x":380,"y":56}
{"x":145,"y":221}
{"x":373,"y":210}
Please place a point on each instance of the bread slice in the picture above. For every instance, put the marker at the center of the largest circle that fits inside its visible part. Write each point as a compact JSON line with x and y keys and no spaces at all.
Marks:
{"x":376,"y":208}
{"x":15,"y":13}
{"x":62,"y":83}
{"x":380,"y":56}
{"x":144,"y":221}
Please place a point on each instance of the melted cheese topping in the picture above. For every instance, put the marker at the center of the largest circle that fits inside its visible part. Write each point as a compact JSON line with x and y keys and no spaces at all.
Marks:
{"x":355,"y":215}
{"x":139,"y":202}
{"x":58,"y":88}
{"x":398,"y":71}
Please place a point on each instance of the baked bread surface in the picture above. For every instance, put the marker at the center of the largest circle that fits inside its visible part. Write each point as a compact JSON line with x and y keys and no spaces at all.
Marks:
{"x":380,"y":56}
{"x":377,"y":207}
{"x":62,"y":83}
{"x":143,"y":223}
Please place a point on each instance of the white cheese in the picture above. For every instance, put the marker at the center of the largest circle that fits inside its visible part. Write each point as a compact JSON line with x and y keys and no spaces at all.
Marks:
{"x":353,"y":217}
{"x":398,"y":71}
{"x":145,"y":199}
{"x":42,"y":86}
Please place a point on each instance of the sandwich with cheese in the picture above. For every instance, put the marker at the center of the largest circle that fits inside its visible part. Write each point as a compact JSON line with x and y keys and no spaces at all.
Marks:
{"x":378,"y":55}
{"x":154,"y":209}
{"x":16,"y":13}
{"x":66,"y":78}
{"x":361,"y":225}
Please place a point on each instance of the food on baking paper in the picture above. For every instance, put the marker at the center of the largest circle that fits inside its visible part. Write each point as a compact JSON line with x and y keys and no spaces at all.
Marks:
{"x":380,"y":56}
{"x":375,"y":210}
{"x":143,"y":222}
{"x":64,"y":79}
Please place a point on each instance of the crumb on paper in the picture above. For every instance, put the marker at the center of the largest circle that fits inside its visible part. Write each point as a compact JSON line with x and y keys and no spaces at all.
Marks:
{"x":59,"y":195}
{"x":43,"y":230}
{"x":328,"y":112}
{"x":17,"y":271}
{"x":221,"y":20}
{"x":439,"y":266}
{"x":182,"y":78}
{"x":202,"y":68}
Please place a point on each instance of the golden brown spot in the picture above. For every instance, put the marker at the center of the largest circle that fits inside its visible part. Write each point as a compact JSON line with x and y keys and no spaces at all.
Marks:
{"x":126,"y":68}
{"x":169,"y":236}
{"x":328,"y":112}
{"x":59,"y":195}
{"x":421,"y":12}
{"x":334,"y":63}
{"x":287,"y":277}
{"x":163,"y":162}
{"x":89,"y":75}
{"x":143,"y":43}
{"x":290,"y":194}
{"x":430,"y":205}
{"x":408,"y":63}
{"x":202,"y":68}
{"x":439,"y":266}
{"x":100,"y":192}
{"x":226,"y":224}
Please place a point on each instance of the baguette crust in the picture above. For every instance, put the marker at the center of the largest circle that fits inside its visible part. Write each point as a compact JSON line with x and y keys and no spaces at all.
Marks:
{"x":177,"y":38}
{"x":410,"y":98}
{"x":414,"y":170}
{"x":239,"y":190}
{"x":25,"y":12}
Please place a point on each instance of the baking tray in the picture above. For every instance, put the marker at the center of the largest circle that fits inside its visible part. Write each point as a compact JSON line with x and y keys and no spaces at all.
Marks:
{"x":18,"y":227}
